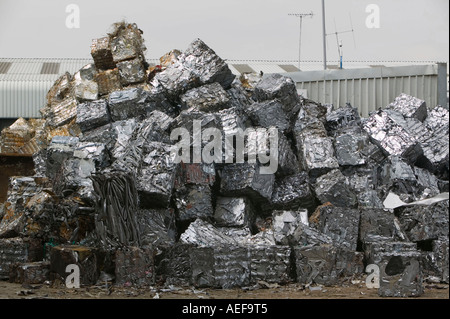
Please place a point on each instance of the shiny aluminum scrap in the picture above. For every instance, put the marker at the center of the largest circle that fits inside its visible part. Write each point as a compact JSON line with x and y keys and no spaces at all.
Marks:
{"x":234,"y":212}
{"x":387,"y":130}
{"x":340,"y":224}
{"x":333,"y":187}
{"x":196,"y":66}
{"x":410,"y":106}
{"x":400,"y":275}
{"x":207,"y":98}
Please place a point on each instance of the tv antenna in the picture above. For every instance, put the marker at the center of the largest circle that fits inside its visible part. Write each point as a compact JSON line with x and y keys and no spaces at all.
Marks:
{"x":339,"y":42}
{"x":300,"y":16}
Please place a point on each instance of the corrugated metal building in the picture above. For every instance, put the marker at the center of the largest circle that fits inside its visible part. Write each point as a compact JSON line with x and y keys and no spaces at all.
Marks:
{"x":24,"y":82}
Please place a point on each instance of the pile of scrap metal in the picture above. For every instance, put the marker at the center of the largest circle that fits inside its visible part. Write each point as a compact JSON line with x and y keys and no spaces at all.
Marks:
{"x":109,"y":195}
{"x":22,"y":137}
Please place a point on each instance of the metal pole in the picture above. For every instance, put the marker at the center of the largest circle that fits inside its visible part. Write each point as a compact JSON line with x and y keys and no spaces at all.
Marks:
{"x":300,"y":15}
{"x":324,"y":37}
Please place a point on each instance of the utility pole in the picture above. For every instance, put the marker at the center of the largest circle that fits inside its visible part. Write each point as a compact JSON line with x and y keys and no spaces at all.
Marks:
{"x":324,"y":37}
{"x":300,"y":15}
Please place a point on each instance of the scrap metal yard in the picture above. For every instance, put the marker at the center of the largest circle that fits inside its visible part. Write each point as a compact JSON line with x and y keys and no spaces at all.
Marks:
{"x":182,"y":180}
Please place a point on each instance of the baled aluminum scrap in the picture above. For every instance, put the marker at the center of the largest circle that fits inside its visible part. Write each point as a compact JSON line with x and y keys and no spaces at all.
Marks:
{"x":86,"y":258}
{"x":12,"y":250}
{"x":221,"y":266}
{"x":238,"y":96}
{"x":122,"y":132}
{"x":60,"y":149}
{"x":233,"y":212}
{"x":20,"y":190}
{"x":126,"y":104}
{"x":307,"y":235}
{"x":132,"y":71}
{"x":63,"y":112}
{"x":85,"y":88}
{"x":425,"y":222}
{"x":207,"y":98}
{"x":292,"y":192}
{"x":93,"y":114}
{"x":397,"y":176}
{"x":156,"y":174}
{"x":58,"y":92}
{"x":126,"y":42}
{"x":40,"y":162}
{"x":174,"y":267}
{"x":129,"y":148}
{"x":311,"y":117}
{"x":196,"y":174}
{"x":30,"y":273}
{"x":333,"y":187}
{"x":410,"y":106}
{"x":374,"y":250}
{"x":101,"y":53}
{"x":377,"y":224}
{"x":204,"y":234}
{"x":157,"y":126}
{"x":108,"y":81}
{"x":316,"y":264}
{"x":340,"y":224}
{"x":400,"y":275}
{"x":349,"y":147}
{"x":440,"y":254}
{"x":193,"y":201}
{"x":277,"y":86}
{"x":436,"y":153}
{"x":316,"y":155}
{"x":437,"y":118}
{"x":196,"y":66}
{"x":245,"y":179}
{"x":158,"y":101}
{"x":428,"y":182}
{"x":269,"y":113}
{"x":134,"y":265}
{"x":114,"y":182}
{"x":270,"y":263}
{"x":104,"y":134}
{"x":340,"y":118}
{"x":284,"y":225}
{"x":387,"y":130}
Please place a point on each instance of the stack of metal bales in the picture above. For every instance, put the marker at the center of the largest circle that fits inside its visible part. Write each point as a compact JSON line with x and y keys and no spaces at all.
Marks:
{"x":109,"y":195}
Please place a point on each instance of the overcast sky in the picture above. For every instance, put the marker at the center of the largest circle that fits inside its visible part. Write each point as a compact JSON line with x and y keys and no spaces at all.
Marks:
{"x":235,"y":29}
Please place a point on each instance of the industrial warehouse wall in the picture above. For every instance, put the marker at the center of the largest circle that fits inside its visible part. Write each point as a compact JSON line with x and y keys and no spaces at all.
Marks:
{"x":369,"y":89}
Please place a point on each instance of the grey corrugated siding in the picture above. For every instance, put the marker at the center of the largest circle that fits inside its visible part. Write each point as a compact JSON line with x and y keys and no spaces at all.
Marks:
{"x":370,"y":89}
{"x":23,"y":88}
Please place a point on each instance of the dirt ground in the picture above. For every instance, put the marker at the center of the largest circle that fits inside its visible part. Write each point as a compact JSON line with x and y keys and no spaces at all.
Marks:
{"x":293,"y":291}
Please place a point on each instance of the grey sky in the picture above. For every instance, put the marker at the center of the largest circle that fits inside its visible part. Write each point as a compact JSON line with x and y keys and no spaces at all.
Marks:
{"x":235,"y":29}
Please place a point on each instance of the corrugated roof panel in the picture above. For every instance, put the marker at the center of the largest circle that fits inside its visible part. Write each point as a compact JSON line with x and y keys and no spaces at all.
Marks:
{"x":4,"y":67}
{"x":50,"y":68}
{"x":289,"y":67}
{"x":243,"y":68}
